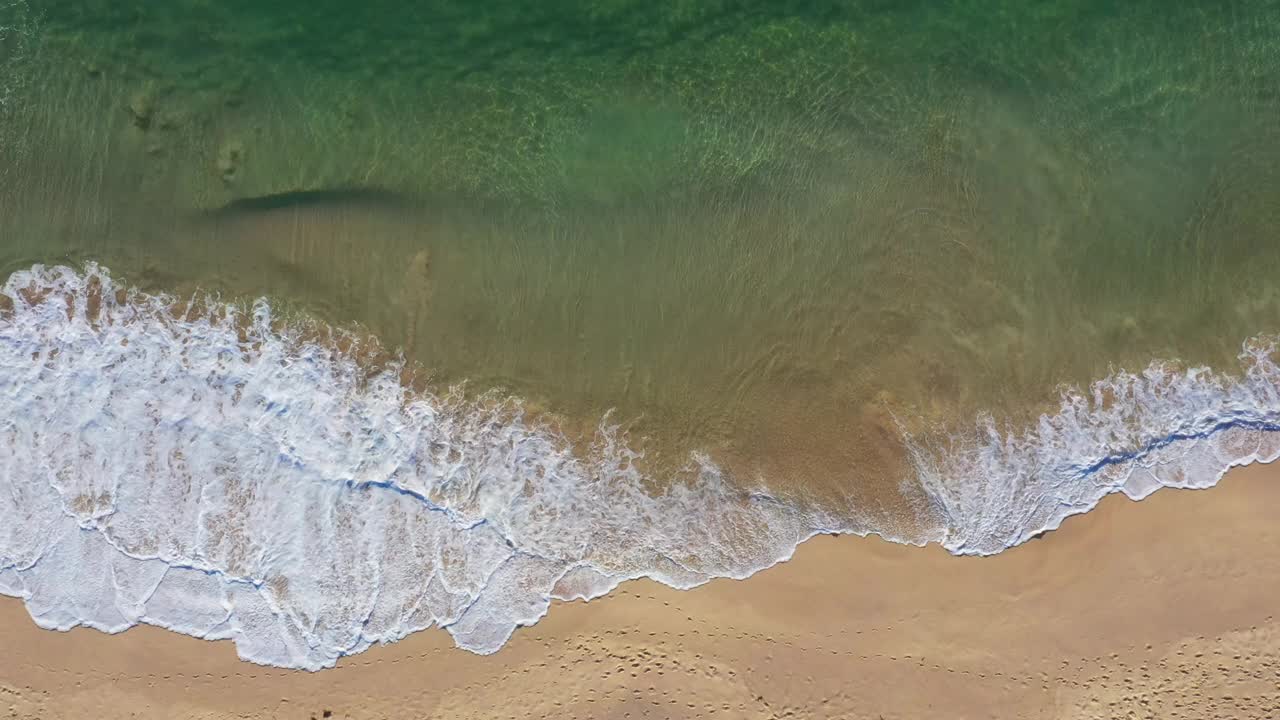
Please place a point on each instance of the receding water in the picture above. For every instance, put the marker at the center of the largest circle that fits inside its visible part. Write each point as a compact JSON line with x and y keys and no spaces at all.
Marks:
{"x":822,"y":263}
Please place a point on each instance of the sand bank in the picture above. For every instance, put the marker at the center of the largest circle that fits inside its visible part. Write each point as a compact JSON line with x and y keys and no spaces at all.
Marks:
{"x":1162,"y":609}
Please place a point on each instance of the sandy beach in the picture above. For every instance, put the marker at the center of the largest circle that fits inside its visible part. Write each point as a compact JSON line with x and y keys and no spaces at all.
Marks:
{"x":1159,"y":609}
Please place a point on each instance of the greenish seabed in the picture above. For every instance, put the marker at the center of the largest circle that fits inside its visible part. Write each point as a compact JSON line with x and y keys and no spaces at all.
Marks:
{"x":758,"y":227}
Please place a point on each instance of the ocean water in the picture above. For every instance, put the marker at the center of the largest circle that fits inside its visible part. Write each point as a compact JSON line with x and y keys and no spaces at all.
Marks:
{"x":678,"y":285}
{"x":212,"y":469}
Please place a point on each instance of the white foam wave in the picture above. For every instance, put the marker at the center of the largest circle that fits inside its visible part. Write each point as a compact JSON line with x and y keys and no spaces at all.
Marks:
{"x":1168,"y":426}
{"x":220,"y":475}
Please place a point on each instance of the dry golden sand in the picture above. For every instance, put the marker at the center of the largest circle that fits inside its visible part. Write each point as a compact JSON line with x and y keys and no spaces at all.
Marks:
{"x":1160,"y":609}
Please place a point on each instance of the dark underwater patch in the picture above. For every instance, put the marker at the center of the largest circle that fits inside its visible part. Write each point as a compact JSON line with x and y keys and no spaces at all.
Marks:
{"x":368,"y":197}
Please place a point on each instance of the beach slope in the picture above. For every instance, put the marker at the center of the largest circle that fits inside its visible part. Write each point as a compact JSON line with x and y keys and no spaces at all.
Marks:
{"x":1163,"y":608}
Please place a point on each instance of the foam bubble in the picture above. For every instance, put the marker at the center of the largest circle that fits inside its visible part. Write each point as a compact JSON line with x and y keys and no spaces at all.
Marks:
{"x":1168,"y":426}
{"x":219,"y":474}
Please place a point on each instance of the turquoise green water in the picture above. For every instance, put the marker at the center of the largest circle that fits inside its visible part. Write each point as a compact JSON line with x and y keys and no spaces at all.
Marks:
{"x":760,"y":228}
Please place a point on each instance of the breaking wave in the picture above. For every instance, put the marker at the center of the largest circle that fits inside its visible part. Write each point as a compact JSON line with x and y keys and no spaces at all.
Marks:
{"x":1168,"y":426}
{"x":214,"y":470}
{"x":221,"y":474}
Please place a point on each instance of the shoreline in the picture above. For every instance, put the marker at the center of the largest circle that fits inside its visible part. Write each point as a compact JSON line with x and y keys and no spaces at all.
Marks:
{"x":1090,"y":620}
{"x":547,"y":296}
{"x":383,"y":568}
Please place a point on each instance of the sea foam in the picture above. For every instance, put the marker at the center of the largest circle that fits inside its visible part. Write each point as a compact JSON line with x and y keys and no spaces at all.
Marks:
{"x":219,"y":474}
{"x":227,"y":475}
{"x":1168,"y":426}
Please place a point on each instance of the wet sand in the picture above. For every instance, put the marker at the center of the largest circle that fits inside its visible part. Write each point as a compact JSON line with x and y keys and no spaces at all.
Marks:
{"x":1159,"y":609}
